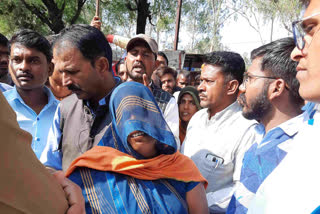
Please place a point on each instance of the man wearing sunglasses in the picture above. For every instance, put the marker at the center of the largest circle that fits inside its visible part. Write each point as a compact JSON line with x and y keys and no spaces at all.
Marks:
{"x":269,"y":94}
{"x":294,"y":185}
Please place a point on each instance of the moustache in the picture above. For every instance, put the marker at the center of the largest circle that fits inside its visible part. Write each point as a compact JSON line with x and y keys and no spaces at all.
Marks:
{"x":139,"y":64}
{"x":24,"y":74}
{"x":73,"y":87}
{"x":4,"y":63}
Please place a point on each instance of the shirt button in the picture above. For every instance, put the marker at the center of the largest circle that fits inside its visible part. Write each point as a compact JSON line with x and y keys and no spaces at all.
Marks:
{"x":37,"y":139}
{"x":38,"y":118}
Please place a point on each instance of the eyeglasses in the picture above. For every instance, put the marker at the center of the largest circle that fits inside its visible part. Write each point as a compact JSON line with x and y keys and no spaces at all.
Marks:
{"x":247,"y":78}
{"x":299,"y":31}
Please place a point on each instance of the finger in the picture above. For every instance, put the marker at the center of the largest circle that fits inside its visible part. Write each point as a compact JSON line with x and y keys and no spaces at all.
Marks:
{"x":145,"y":80}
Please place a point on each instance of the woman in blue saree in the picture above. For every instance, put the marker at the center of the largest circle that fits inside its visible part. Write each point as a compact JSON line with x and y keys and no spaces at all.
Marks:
{"x":136,"y":167}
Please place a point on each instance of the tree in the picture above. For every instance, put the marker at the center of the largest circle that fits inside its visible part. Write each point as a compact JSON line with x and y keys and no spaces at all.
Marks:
{"x":207,"y":19}
{"x":51,"y":12}
{"x":55,"y":14}
{"x":260,"y":13}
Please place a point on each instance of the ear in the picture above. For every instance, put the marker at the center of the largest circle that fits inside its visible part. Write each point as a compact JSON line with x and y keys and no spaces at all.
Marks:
{"x":102,"y":65}
{"x":232,"y":87}
{"x":276,"y":88}
{"x":50,"y":69}
{"x":156,"y":64}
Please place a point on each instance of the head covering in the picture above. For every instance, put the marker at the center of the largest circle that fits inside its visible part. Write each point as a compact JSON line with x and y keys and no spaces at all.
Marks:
{"x":152,"y":44}
{"x":115,"y":178}
{"x":193,"y":92}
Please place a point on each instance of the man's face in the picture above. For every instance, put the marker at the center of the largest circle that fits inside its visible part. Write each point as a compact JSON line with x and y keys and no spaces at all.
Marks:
{"x":254,"y":93}
{"x":161,"y":61}
{"x":168,"y":82}
{"x":28,"y":67}
{"x":187,"y":108}
{"x":122,"y":72}
{"x":140,"y":60}
{"x":78,"y":74}
{"x":308,"y":68}
{"x":182,"y":81}
{"x":4,"y":60}
{"x":212,"y":88}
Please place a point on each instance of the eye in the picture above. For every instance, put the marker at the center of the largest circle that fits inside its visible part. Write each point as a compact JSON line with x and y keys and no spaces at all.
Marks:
{"x":146,"y":54}
{"x":35,"y":61}
{"x":16,"y":60}
{"x":308,"y":29}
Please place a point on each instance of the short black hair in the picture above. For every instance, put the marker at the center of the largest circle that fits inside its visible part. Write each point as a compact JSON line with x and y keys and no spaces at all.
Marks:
{"x":277,"y":62}
{"x":232,"y":64}
{"x":121,"y":61}
{"x":32,"y":39}
{"x":160,"y":53}
{"x":90,"y":41}
{"x":184,"y":73}
{"x":162,"y":70}
{"x":52,"y":38}
{"x":3,"y":40}
{"x":305,"y":2}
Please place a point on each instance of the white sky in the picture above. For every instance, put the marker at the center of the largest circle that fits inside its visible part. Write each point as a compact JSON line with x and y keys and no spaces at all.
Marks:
{"x":241,"y":38}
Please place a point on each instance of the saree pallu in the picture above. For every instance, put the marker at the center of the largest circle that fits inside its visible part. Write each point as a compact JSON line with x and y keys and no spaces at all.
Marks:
{"x":108,"y":192}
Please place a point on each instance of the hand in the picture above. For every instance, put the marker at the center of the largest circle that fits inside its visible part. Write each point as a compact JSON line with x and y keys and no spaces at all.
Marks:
{"x":96,"y":22}
{"x":73,"y":194}
{"x":146,"y":81}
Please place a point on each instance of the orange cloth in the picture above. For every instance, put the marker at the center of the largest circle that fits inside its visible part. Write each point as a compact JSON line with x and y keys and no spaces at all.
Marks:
{"x":175,"y":166}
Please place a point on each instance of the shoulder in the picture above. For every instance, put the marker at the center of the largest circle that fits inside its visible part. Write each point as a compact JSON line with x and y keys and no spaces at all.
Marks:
{"x":198,"y":118}
{"x":11,"y":94}
{"x":4,"y":87}
{"x":69,"y":103}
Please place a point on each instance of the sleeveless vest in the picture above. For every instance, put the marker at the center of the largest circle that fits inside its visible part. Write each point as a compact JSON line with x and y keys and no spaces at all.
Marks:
{"x":81,"y":130}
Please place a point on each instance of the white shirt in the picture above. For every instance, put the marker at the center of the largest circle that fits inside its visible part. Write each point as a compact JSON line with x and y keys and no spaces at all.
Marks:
{"x":294,"y":186}
{"x":171,"y":116}
{"x":223,"y":138}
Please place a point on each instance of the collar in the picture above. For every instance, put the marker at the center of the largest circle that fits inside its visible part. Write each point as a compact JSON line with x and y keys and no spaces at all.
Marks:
{"x":14,"y":95}
{"x":289,"y":127}
{"x":225,"y":113}
{"x":105,"y":100}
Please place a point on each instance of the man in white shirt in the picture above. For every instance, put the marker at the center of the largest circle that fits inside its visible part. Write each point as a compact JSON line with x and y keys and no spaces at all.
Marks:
{"x":294,"y":185}
{"x":141,"y":61}
{"x":269,"y":94}
{"x":218,"y":135}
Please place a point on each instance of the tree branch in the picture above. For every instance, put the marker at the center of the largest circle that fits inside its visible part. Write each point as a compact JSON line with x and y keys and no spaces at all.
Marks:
{"x":78,"y":11}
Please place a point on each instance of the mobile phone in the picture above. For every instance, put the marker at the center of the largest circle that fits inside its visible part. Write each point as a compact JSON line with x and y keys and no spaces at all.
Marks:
{"x":215,"y":158}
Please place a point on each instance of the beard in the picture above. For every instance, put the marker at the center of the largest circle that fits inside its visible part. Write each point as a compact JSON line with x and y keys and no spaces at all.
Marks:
{"x":258,"y":108}
{"x":137,"y":77}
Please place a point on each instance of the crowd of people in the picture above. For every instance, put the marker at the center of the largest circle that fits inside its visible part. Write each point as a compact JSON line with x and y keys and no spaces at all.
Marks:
{"x":80,"y":137}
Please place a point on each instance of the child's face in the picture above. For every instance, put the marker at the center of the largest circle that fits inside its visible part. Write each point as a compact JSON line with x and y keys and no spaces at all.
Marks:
{"x":143,"y":144}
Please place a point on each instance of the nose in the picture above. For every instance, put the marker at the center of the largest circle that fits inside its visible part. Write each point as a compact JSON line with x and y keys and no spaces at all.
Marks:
{"x":4,"y":58}
{"x":66,"y":80}
{"x":139,"y":57}
{"x":24,"y":65}
{"x":201,"y":86}
{"x":297,"y":54}
{"x":242,"y":88}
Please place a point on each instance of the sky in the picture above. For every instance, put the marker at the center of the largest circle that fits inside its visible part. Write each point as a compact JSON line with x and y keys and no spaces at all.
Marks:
{"x":240,"y":37}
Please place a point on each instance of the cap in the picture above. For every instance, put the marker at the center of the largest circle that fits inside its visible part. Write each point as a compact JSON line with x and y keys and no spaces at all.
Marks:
{"x":193,"y":92}
{"x":152,"y":44}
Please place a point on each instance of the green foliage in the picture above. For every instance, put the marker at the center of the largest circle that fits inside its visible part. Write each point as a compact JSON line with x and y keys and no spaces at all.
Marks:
{"x":13,"y":16}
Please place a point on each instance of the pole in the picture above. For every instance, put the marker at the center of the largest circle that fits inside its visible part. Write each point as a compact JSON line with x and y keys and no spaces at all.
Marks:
{"x":97,"y":7}
{"x":176,"y":38}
